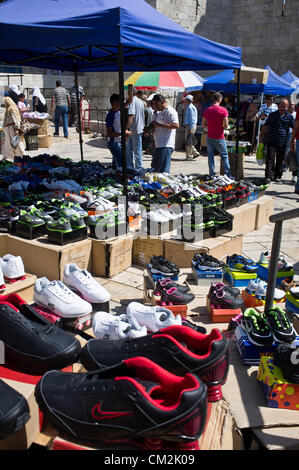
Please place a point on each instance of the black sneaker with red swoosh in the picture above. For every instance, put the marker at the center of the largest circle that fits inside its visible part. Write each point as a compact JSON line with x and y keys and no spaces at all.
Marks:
{"x":178,"y":349}
{"x":136,"y":402}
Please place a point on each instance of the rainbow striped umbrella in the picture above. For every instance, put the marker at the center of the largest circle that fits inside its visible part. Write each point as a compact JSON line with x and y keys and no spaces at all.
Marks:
{"x":178,"y":81}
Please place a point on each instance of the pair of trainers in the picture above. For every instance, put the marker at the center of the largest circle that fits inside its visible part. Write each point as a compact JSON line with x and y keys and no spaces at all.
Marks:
{"x":73,"y":297}
{"x":258,"y":288}
{"x":222,"y":296}
{"x":282,"y":264}
{"x":138,"y":320}
{"x":172,"y":293}
{"x":264,"y":329}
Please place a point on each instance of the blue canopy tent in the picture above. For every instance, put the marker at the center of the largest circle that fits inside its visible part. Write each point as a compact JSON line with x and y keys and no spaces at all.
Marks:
{"x":222,"y":82}
{"x":291,"y":79}
{"x":104,"y":35}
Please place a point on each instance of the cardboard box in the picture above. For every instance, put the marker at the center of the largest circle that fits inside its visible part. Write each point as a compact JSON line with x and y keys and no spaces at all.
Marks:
{"x":221,"y":315}
{"x":238,"y":279}
{"x":145,"y":248}
{"x":43,"y":123}
{"x":265,"y":208}
{"x":111,"y":257}
{"x":44,"y":259}
{"x":182,"y":253}
{"x":263,"y":273}
{"x":244,"y":219}
{"x":250,"y":75}
{"x":279,"y":393}
{"x":44,"y":141}
{"x":23,"y":439}
{"x":278,"y":438}
{"x":23,"y":288}
{"x":221,"y":432}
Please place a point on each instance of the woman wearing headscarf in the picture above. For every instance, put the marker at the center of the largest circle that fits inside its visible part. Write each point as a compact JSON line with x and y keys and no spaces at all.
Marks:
{"x":38,"y":101}
{"x":13,"y":93}
{"x":11,"y":127}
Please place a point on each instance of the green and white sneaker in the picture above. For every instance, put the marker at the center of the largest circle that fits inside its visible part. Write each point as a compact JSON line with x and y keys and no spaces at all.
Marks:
{"x":257,"y":328}
{"x":31,"y":220}
{"x":61,"y":225}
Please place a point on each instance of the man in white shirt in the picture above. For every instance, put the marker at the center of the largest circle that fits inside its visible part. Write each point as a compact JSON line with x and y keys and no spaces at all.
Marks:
{"x":266,"y":109}
{"x":165,"y":122}
{"x":136,"y":125}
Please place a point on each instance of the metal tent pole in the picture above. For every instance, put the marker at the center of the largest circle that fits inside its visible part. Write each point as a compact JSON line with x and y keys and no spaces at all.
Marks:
{"x":79,"y":114}
{"x":259,"y":124}
{"x":123,"y":124}
{"x":238,"y":126}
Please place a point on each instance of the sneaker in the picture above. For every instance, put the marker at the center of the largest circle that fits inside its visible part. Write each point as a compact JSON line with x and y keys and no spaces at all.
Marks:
{"x":161,"y":265}
{"x":205,"y":262}
{"x":224,"y":299}
{"x":282,"y":330}
{"x":258,"y":288}
{"x":82,"y":282}
{"x":219,"y":287}
{"x":174,"y":296}
{"x":282,"y":265}
{"x":12,"y":267}
{"x":58,"y":298}
{"x":14,"y":410}
{"x":294,"y":290}
{"x":113,"y":327}
{"x":32,"y":343}
{"x":179,"y":349}
{"x":149,"y":402}
{"x":167,"y":284}
{"x":77,"y":222}
{"x":286,"y":357}
{"x":61,"y":225}
{"x":265,"y":257}
{"x":30,"y":220}
{"x":153,"y":318}
{"x":257,"y":328}
{"x":240,"y":263}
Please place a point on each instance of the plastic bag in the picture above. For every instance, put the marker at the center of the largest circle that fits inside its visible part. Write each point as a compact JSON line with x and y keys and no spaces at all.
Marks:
{"x":260,"y":154}
{"x":191,"y":140}
{"x":15,"y":141}
{"x":291,"y":161}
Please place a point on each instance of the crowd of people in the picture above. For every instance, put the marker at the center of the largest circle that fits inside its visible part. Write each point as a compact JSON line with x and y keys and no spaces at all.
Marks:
{"x":151,"y":125}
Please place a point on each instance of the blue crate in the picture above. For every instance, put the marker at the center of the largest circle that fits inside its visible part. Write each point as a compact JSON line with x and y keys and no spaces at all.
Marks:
{"x":290,"y":307}
{"x":200,"y":274}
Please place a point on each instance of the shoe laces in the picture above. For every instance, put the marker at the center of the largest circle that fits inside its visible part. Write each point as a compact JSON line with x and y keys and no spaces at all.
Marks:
{"x":62,"y":291}
{"x":279,"y":318}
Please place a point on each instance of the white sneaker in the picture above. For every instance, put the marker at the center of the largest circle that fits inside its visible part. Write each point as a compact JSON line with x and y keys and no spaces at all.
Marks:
{"x":12,"y":266}
{"x":153,"y":318}
{"x":2,"y":282}
{"x":58,"y":298}
{"x":82,"y":281}
{"x":258,"y":287}
{"x":107,"y":326}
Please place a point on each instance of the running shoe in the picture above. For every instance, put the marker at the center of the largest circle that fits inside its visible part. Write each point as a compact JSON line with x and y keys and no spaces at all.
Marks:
{"x":174,"y":296}
{"x":219,"y":287}
{"x":256,"y":327}
{"x":153,"y":318}
{"x":224,"y":299}
{"x":286,"y":357}
{"x":282,"y":330}
{"x":32,"y":343}
{"x":167,"y":284}
{"x":240,"y":263}
{"x":82,"y":282}
{"x":40,"y":214}
{"x":161,"y":265}
{"x":179,"y":349}
{"x":12,"y":267}
{"x":112,"y":327}
{"x":205,"y":262}
{"x":258,"y":288}
{"x":14,"y":410}
{"x":61,"y":225}
{"x":30,"y":220}
{"x":77,"y":222}
{"x":131,"y":401}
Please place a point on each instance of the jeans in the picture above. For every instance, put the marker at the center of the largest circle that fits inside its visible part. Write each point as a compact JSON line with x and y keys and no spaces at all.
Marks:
{"x":297,"y":155}
{"x":161,"y":159}
{"x":61,"y":111}
{"x":115,"y":149}
{"x":218,"y":145}
{"x":134,"y":150}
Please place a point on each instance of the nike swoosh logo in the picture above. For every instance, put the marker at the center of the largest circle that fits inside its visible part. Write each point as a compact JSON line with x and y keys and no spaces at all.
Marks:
{"x":97,"y":413}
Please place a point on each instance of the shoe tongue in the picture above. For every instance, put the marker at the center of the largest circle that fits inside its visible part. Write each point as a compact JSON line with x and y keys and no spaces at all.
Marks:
{"x":147,"y":385}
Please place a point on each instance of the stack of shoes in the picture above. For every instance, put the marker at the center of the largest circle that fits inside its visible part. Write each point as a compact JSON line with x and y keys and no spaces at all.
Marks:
{"x":240,"y":263}
{"x":205,"y":262}
{"x":161,"y":266}
{"x":224,"y":297}
{"x":258,"y":288}
{"x":264,"y":328}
